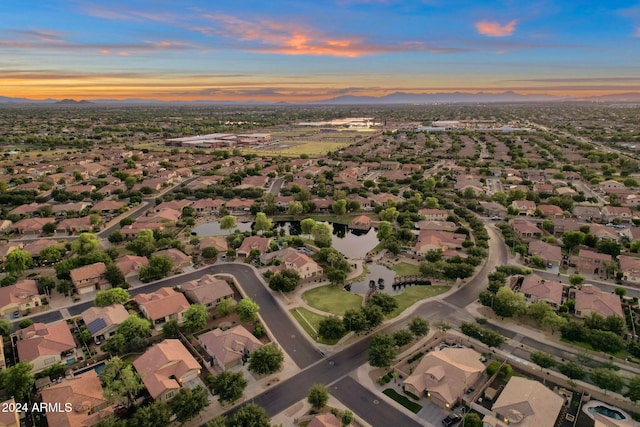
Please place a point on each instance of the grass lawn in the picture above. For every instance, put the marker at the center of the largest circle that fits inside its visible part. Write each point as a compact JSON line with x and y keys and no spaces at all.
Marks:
{"x":406,"y":269}
{"x":310,"y":322}
{"x":403,"y":400}
{"x":332,"y":299}
{"x":413,"y":294}
{"x":620,"y":355}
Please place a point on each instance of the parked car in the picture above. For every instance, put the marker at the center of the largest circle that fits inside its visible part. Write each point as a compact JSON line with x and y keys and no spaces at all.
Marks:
{"x":451,"y":420}
{"x":16,"y":314}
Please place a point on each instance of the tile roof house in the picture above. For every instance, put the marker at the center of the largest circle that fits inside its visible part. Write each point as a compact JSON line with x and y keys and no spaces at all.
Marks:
{"x":207,"y":206}
{"x":165,"y":367}
{"x":551,"y":211}
{"x":526,"y":403}
{"x":361,"y":222}
{"x":445,"y":375}
{"x":21,"y":296}
{"x":590,"y":299}
{"x":45,"y":345}
{"x":545,"y":251}
{"x":81,"y":399}
{"x":524,"y":207}
{"x":36,"y":246}
{"x":630,"y":267}
{"x":535,"y":288}
{"x":179,"y":259}
{"x":591,"y":262}
{"x":31,"y":225}
{"x":325,"y":420}
{"x":102,"y":322}
{"x":616,"y":212}
{"x":130,"y":265}
{"x":429,"y":240}
{"x":526,"y":229}
{"x":8,"y":417}
{"x":293,"y":260}
{"x":219,"y":243}
{"x":89,"y":278}
{"x":163,"y":305}
{"x":227,"y":347}
{"x":253,"y":242}
{"x":208,"y":290}
{"x":434,"y":214}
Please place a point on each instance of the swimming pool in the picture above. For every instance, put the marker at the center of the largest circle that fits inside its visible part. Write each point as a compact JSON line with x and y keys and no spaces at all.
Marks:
{"x":98,"y":367}
{"x":596,"y":407}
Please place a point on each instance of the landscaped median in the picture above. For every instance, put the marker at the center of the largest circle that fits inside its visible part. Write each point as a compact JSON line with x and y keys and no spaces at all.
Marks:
{"x":403,"y":400}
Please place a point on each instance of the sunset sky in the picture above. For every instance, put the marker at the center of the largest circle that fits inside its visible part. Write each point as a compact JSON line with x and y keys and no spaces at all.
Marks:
{"x":299,"y":50}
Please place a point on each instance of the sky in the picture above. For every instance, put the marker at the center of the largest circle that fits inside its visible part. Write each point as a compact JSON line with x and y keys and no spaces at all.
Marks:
{"x":299,"y":50}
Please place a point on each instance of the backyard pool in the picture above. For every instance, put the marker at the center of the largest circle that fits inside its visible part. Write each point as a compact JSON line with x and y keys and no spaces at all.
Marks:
{"x":596,"y":407}
{"x":98,"y":367}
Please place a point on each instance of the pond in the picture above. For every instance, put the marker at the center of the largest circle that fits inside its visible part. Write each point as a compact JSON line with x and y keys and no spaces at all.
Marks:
{"x":351,"y":243}
{"x":376,"y":272}
{"x":213,"y":229}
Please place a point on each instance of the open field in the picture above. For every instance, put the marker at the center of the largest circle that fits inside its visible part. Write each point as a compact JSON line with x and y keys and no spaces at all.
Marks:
{"x":332,"y":299}
{"x":310,"y":322}
{"x":406,"y":269}
{"x":296,"y":149}
{"x":413,"y":294}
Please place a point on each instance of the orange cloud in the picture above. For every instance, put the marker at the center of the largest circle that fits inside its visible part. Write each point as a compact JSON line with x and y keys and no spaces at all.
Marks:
{"x":494,"y":29}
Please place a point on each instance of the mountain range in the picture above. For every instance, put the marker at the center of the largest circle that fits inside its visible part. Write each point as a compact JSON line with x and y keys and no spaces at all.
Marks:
{"x":393,"y":98}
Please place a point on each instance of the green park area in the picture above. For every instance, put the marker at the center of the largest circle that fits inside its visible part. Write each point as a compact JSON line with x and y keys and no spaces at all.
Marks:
{"x":413,"y":294}
{"x":310,"y":322}
{"x":406,"y":269}
{"x":332,"y":299}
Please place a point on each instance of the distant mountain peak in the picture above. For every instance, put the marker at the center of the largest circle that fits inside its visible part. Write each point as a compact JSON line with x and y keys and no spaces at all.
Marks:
{"x":72,"y":102}
{"x":444,"y":97}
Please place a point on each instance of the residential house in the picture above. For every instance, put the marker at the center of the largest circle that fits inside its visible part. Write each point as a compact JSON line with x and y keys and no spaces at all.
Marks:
{"x":253,"y":242}
{"x":604,"y":233}
{"x":74,"y":225}
{"x":325,"y":420}
{"x":293,"y":260}
{"x":64,"y":209}
{"x":535,"y":288}
{"x":208,"y":290}
{"x":258,"y":181}
{"x":176,"y":205}
{"x":610,"y":184}
{"x":207,"y":206}
{"x":622,"y":213}
{"x":20,"y":297}
{"x":163,"y":305}
{"x":31,"y":225}
{"x":551,"y":211}
{"x":103,"y":322}
{"x":166,"y":216}
{"x":361,"y":222}
{"x":219,"y":243}
{"x":227,"y":348}
{"x":165,"y":367}
{"x":591,"y":262}
{"x":434,"y":214}
{"x":107,"y":206}
{"x":34,"y":247}
{"x":587,"y":213}
{"x":549,"y":254}
{"x":179,"y":259}
{"x":445,"y":375}
{"x":526,"y":229}
{"x":131,"y":231}
{"x":239,"y":206}
{"x":89,"y":278}
{"x":45,"y":345}
{"x":80,"y":399}
{"x":526,"y":403}
{"x":590,"y":299}
{"x":130,"y":265}
{"x":429,"y":240}
{"x":493,"y":209}
{"x":7,"y":247}
{"x":630,"y":267}
{"x":560,"y":225}
{"x":437,"y":225}
{"x":524,"y":207}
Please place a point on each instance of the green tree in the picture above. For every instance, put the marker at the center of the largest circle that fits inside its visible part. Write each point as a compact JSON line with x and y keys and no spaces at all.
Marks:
{"x":159,"y":267}
{"x":51,"y":253}
{"x":322,"y":235}
{"x":262,"y":223}
{"x":134,"y":327}
{"x":542,"y":359}
{"x":116,"y":237}
{"x":419,"y":326}
{"x":318,"y":396}
{"x":17,"y":261}
{"x":144,"y":243}
{"x":609,"y":247}
{"x":382,"y":350}
{"x":266,"y":360}
{"x":120,"y":381}
{"x":538,"y":310}
{"x":171,"y":329}
{"x":633,"y":389}
{"x":508,"y":303}
{"x":195,"y":318}
{"x":18,"y":381}
{"x":284,"y":281}
{"x":308,"y":224}
{"x":228,"y":222}
{"x":209,"y":252}
{"x":229,"y":386}
{"x":346,"y":417}
{"x":158,"y":414}
{"x":247,"y":310}
{"x":402,"y":337}
{"x":331,"y":328}
{"x":295,"y":208}
{"x":25,"y":323}
{"x":607,"y":380}
{"x":385,"y":230}
{"x":111,"y":296}
{"x":576,"y":279}
{"x":385,"y":301}
{"x":354,"y":320}
{"x":572,"y":239}
{"x":472,"y":420}
{"x":5,"y":327}
{"x":339,"y":207}
{"x":249,"y":415}
{"x":572,"y":370}
{"x":85,"y":244}
{"x":389,"y":214}
{"x":189,"y":402}
{"x":114,"y":276}
{"x":84,"y":335}
{"x":554,"y":322}
{"x":225,"y":307}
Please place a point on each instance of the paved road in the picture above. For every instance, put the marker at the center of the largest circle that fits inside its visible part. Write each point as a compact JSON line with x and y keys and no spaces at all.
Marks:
{"x":604,"y":286}
{"x":276,"y":186}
